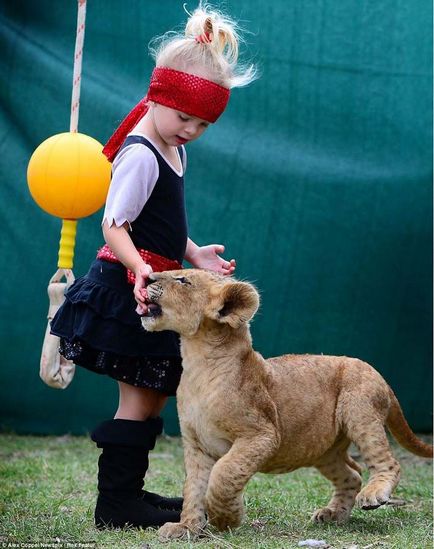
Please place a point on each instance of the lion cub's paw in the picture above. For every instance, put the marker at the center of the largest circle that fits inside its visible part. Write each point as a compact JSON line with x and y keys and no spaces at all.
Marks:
{"x":225,"y":521}
{"x":224,"y":518}
{"x":372,"y":497}
{"x":330,"y":515}
{"x":225,"y":515}
{"x":176,"y":530}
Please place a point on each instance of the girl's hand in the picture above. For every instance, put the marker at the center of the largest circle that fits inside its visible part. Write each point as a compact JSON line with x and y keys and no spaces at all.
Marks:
{"x":141,"y":274}
{"x":206,"y":257}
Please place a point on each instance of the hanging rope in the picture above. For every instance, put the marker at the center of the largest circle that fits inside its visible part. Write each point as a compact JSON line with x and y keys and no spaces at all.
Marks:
{"x":78,"y":57}
{"x":54,"y":370}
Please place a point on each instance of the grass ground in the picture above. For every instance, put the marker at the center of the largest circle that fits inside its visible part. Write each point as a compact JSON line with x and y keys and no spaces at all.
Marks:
{"x":47,"y":494}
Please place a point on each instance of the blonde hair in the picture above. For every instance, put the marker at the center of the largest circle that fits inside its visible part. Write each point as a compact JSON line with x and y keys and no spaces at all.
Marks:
{"x":215,"y":59}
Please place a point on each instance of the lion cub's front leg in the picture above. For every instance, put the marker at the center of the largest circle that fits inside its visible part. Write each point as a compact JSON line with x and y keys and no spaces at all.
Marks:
{"x":224,"y":497}
{"x":198,"y":466}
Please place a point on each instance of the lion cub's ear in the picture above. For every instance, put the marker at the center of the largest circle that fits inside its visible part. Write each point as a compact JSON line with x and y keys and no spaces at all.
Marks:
{"x":236,"y":303}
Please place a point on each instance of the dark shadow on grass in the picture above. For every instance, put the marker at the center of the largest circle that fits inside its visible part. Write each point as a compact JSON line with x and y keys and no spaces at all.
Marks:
{"x":379,"y":525}
{"x":363,"y":524}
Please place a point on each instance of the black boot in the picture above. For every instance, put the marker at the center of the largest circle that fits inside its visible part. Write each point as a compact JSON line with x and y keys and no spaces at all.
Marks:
{"x":169,"y":504}
{"x":122,"y":467}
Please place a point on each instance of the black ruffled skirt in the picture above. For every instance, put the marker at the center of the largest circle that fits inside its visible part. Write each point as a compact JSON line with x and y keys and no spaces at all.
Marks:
{"x":100,"y":330}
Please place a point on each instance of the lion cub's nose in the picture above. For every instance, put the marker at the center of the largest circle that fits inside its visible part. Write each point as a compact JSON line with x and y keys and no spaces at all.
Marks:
{"x":151,"y":278}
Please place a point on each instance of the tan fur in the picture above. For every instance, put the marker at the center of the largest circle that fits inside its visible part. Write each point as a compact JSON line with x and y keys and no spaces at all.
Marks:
{"x":241,"y":414}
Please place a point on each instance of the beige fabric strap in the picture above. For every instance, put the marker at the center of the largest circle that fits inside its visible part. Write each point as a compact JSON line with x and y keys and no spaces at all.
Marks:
{"x":54,"y":370}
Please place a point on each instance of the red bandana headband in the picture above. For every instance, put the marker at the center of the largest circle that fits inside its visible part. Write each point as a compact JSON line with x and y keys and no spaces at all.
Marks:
{"x":178,"y":90}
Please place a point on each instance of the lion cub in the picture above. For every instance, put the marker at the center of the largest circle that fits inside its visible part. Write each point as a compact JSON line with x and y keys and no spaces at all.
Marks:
{"x":241,"y":414}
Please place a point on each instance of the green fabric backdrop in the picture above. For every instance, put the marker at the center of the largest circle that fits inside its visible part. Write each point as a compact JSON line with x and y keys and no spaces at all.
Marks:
{"x":317,"y":178}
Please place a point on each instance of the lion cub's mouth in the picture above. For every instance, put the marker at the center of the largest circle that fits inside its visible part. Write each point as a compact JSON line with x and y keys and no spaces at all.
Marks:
{"x":153,"y":309}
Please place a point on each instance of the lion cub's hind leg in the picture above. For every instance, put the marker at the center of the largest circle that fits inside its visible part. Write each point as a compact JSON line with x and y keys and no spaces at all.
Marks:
{"x":366,"y":430}
{"x":343,"y":472}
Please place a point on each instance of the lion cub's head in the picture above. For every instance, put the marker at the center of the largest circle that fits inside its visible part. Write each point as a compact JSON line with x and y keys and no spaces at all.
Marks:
{"x":182,"y":300}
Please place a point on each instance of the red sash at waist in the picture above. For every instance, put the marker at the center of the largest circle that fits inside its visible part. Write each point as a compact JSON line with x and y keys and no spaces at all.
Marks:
{"x":157,"y":262}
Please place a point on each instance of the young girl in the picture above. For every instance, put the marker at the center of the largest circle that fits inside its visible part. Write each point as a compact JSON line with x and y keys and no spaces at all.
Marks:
{"x":145,"y":230}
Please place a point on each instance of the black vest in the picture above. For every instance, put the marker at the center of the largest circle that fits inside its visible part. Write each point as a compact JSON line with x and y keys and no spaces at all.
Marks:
{"x":161,"y":226}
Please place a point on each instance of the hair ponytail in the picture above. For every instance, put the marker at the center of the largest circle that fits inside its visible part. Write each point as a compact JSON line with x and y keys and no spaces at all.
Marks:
{"x":208,"y":48}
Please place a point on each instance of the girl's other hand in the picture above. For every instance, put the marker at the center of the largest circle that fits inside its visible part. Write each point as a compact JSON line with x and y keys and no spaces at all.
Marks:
{"x":206,"y":257}
{"x":141,"y":273}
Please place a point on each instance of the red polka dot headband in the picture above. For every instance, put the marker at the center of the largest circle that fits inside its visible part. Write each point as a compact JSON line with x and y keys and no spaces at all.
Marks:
{"x":178,"y":90}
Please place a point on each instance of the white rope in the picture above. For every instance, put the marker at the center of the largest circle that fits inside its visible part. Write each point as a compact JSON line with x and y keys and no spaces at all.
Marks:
{"x":78,"y":56}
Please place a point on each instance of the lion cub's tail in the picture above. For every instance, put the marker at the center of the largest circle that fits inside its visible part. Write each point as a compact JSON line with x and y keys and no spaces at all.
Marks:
{"x":400,"y":429}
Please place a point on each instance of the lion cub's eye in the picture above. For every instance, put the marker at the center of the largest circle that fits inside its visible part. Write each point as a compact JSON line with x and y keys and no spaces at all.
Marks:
{"x":183,"y":280}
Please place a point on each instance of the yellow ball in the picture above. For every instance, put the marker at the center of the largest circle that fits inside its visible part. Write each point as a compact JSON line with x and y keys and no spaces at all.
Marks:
{"x":68,"y":176}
